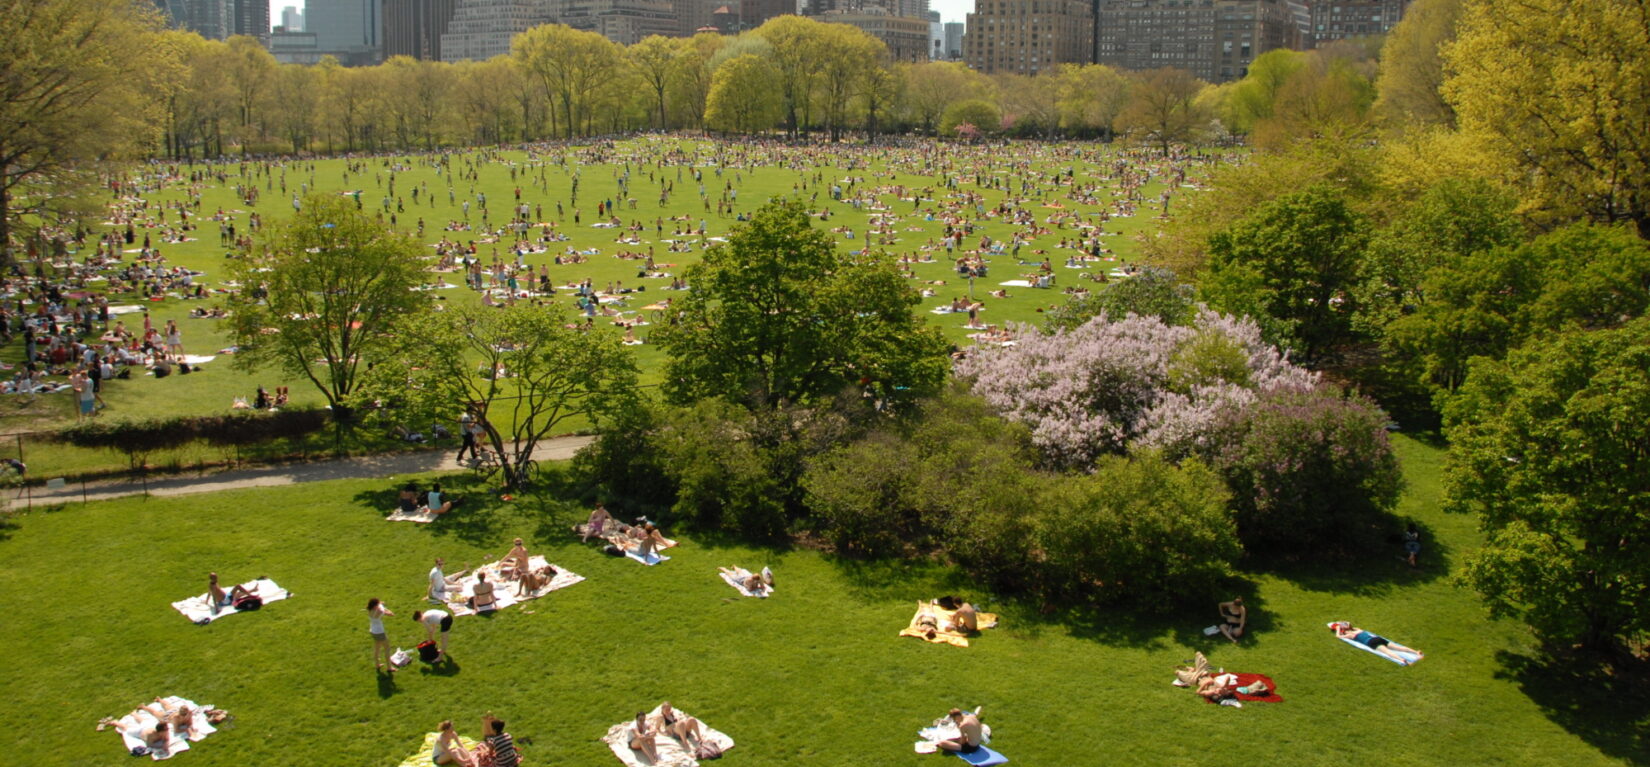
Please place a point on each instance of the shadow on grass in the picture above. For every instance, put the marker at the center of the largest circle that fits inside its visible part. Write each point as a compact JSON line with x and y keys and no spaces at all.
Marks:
{"x":1607,"y":709}
{"x":1151,"y":628}
{"x":1380,"y":568}
{"x":444,"y":667}
{"x":879,"y":580}
{"x":386,"y":685}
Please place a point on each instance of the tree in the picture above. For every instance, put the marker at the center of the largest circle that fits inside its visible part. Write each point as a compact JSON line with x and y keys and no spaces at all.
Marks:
{"x":1091,"y":97}
{"x":1412,"y":67}
{"x":323,"y":291}
{"x":251,"y":70}
{"x":1329,"y":98}
{"x":1162,"y":109}
{"x":1151,"y":292}
{"x":1253,"y":99}
{"x":74,"y":76}
{"x":1551,"y":449}
{"x":654,"y":60}
{"x":523,"y":371}
{"x":1031,"y":104}
{"x":934,"y":86}
{"x":298,"y":92}
{"x":740,"y":99}
{"x":881,"y":94}
{"x":981,"y":114}
{"x":846,"y":56}
{"x":572,"y":66}
{"x":797,"y":60}
{"x":777,"y":315}
{"x":1292,"y":265}
{"x":1555,"y":92}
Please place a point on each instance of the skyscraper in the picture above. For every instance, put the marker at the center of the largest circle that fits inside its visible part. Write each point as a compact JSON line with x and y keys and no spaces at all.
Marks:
{"x":1028,"y":36}
{"x":414,"y":27}
{"x":482,"y":29}
{"x":252,"y":19}
{"x":349,"y":29}
{"x":1215,"y":40}
{"x":292,"y":19}
{"x":211,"y":19}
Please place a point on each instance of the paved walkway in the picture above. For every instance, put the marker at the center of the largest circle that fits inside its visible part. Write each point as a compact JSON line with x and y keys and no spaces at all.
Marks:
{"x":365,"y":467}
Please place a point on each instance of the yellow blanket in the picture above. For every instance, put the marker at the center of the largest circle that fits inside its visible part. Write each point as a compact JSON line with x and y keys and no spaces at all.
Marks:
{"x":426,"y":753}
{"x":942,"y":619}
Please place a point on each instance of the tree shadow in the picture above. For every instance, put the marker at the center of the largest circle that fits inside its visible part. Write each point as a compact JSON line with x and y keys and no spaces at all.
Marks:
{"x":1378,"y":566}
{"x":1153,"y":627}
{"x":1606,"y":707}
{"x":881,"y":580}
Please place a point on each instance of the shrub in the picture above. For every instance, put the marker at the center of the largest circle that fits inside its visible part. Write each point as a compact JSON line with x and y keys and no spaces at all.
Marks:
{"x":722,"y":477}
{"x":1309,"y":472}
{"x":859,"y":495}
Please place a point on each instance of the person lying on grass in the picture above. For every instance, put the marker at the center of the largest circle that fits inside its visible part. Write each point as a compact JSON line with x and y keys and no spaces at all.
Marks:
{"x":156,"y":738}
{"x":534,"y":580}
{"x":969,"y":733}
{"x":222,"y":599}
{"x":756,"y":583}
{"x":178,"y":718}
{"x":1376,"y":642}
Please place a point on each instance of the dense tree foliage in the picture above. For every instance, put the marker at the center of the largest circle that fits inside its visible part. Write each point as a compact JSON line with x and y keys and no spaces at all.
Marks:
{"x":1552,"y":451}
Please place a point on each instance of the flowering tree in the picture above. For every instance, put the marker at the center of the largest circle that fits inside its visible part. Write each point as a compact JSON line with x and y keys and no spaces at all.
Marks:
{"x":1104,"y":387}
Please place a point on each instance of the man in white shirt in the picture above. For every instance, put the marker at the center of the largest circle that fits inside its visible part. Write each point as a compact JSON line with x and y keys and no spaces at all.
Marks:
{"x":440,"y":582}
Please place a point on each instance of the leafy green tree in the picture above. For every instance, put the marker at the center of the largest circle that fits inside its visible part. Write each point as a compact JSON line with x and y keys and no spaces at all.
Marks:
{"x":1163,"y":109}
{"x":741,"y":99}
{"x":778,"y":315}
{"x":1151,"y":292}
{"x":322,"y":291}
{"x":73,"y":80}
{"x":1551,"y":449}
{"x":979,"y":113}
{"x":1412,"y":66}
{"x":1253,"y":98}
{"x":524,"y":371}
{"x":1292,"y":262}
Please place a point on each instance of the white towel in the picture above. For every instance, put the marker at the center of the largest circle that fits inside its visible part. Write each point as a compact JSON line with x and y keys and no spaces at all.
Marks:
{"x":504,"y":591}
{"x":199,"y":609}
{"x":671,"y":751}
{"x":1412,"y":658}
{"x":412,"y":516}
{"x":652,"y":558}
{"x":1015,"y":284}
{"x":737,"y":578}
{"x":139,"y":719}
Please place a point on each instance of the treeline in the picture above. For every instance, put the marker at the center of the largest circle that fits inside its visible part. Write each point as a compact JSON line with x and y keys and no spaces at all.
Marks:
{"x":792,"y":73}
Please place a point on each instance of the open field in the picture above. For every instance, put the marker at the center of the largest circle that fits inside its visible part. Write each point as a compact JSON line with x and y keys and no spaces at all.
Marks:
{"x":914,"y":189}
{"x":814,"y":675}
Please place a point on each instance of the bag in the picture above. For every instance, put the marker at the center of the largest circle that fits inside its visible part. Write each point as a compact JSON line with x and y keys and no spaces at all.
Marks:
{"x":400,"y":658}
{"x":707,"y":750}
{"x":427,"y":651}
{"x":248,"y":603}
{"x":612,"y":550}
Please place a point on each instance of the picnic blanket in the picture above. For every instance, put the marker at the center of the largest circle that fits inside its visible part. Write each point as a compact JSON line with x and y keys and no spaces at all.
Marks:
{"x":199,"y":609}
{"x":140,"y":719}
{"x":652,"y":558}
{"x":1409,"y":659}
{"x":504,"y":591}
{"x":671,"y":751}
{"x":425,"y":757}
{"x":942,"y":616}
{"x":737,"y":578}
{"x":422,"y":515}
{"x":1244,"y":680}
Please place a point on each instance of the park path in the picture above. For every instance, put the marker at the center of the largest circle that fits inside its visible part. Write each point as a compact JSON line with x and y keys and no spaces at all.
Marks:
{"x":364,"y":467}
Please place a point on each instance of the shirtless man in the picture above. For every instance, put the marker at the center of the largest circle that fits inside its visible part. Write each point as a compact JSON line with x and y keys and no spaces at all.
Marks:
{"x":220,"y":598}
{"x":596,"y":524}
{"x":966,"y":619}
{"x":157,"y":739}
{"x":515,"y":563}
{"x":970,"y":734}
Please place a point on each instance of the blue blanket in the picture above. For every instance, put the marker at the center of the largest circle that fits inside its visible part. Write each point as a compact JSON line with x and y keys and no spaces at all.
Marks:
{"x":982,"y":757}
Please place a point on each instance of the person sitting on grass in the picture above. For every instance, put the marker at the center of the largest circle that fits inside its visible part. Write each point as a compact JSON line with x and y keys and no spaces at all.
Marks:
{"x":448,"y":749}
{"x":596,"y":525}
{"x":681,"y":726}
{"x":966,"y":619}
{"x":1234,"y":617}
{"x":534,"y":580}
{"x":436,"y":503}
{"x":642,"y":739}
{"x":481,"y":594}
{"x":1376,"y":642}
{"x":409,"y":498}
{"x":969,"y":733}
{"x":499,"y":750}
{"x":222,"y":599}
{"x":516,"y":563}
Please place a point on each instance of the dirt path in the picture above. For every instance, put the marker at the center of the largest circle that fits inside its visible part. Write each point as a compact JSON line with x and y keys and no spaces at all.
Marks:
{"x":366,"y":467}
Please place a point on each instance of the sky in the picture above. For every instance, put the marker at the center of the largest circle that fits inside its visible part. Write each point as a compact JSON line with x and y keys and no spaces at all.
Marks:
{"x":951,"y":10}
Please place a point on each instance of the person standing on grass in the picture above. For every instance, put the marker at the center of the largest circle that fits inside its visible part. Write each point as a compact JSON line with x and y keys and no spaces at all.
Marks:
{"x":466,"y":431}
{"x":380,"y":639}
{"x":435,"y":621}
{"x":1412,"y":544}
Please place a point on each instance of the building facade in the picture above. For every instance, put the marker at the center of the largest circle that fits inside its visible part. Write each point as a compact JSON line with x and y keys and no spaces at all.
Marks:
{"x":623,"y":21}
{"x":252,"y":20}
{"x":954,"y":40}
{"x":349,"y":29}
{"x":752,"y":13}
{"x":211,"y":19}
{"x":482,"y":29}
{"x":1028,"y":36}
{"x":414,"y":27}
{"x":1332,"y":20}
{"x":906,"y":37}
{"x":292,"y":19}
{"x":1215,"y":40}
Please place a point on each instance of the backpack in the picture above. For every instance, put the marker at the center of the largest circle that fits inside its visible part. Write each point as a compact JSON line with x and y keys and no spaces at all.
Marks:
{"x":248,"y":603}
{"x":427,"y":651}
{"x":612,"y":550}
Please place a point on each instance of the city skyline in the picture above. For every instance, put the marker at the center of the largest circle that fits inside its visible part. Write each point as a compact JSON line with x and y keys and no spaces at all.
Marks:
{"x":950,"y":10}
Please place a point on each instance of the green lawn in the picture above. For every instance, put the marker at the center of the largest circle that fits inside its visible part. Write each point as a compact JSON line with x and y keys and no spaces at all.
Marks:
{"x":814,"y":675}
{"x":1029,"y":171}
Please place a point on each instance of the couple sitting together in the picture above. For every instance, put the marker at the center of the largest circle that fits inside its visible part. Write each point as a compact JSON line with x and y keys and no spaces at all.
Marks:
{"x":641,"y":539}
{"x":434,"y":502}
{"x":498,"y":750}
{"x":1217,"y":686}
{"x":964,"y":618}
{"x":685,"y":729}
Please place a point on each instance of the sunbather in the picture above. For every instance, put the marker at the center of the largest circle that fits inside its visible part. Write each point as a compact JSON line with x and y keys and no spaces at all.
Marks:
{"x":597,"y":523}
{"x":449,"y":750}
{"x":966,"y":620}
{"x":681,"y":726}
{"x":481,"y":594}
{"x":1375,"y":642}
{"x":756,"y":583}
{"x":222,"y":599}
{"x":409,"y":498}
{"x":515,"y":563}
{"x":969,"y":733}
{"x":1234,"y":618}
{"x":436,"y":503}
{"x":500,"y":748}
{"x":441,"y":583}
{"x":156,"y":738}
{"x":534,"y":580}
{"x":642,"y":739}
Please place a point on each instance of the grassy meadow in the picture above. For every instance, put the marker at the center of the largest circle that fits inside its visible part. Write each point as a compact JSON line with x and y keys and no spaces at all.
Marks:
{"x":813,"y":676}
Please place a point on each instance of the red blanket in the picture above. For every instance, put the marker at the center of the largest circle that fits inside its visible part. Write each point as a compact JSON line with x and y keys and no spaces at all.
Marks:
{"x":1244,"y":680}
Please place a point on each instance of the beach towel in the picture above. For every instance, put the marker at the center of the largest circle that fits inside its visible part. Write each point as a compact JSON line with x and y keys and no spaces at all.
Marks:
{"x":423,"y":515}
{"x":652,"y":558}
{"x":1244,"y":680}
{"x":139,"y":719}
{"x":737,"y":578}
{"x":671,"y":751}
{"x":199,"y":609}
{"x":1411,"y":658}
{"x":504,"y":591}
{"x":1015,"y":284}
{"x":425,"y":757}
{"x":942,"y":616}
{"x":982,"y":756}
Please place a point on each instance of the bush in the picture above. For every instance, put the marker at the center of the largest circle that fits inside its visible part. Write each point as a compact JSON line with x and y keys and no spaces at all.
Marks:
{"x":1309,"y":472}
{"x":1137,"y":528}
{"x":722,"y":477}
{"x":859,"y":495}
